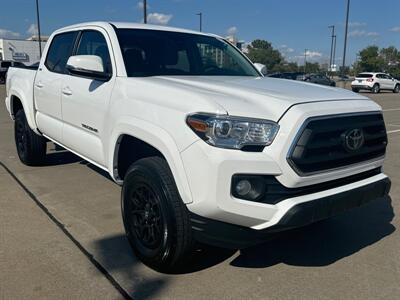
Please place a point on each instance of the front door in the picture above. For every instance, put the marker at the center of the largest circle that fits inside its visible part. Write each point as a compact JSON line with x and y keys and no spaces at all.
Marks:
{"x":389,"y":82}
{"x":85,"y":101}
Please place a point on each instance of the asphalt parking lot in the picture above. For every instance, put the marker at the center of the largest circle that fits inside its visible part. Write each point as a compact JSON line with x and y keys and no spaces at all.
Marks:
{"x":61,"y":237}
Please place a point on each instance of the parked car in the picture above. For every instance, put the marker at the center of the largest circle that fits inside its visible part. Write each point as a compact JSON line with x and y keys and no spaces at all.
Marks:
{"x":319,"y":79}
{"x":344,"y":78}
{"x":375,"y":82}
{"x":205,"y":151}
{"x":288,"y":75}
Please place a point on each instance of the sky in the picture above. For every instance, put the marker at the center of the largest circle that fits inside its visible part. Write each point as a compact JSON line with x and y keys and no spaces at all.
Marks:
{"x":290,"y":25}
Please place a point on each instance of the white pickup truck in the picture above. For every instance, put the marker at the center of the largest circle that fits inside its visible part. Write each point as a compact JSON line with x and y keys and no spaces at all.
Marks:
{"x":205,"y":147}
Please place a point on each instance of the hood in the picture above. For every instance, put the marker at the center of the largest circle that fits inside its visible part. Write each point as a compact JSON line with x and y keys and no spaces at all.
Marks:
{"x":261,"y":97}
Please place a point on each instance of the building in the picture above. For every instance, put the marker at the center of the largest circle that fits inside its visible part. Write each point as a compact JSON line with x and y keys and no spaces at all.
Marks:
{"x":234,"y":41}
{"x":216,"y":55}
{"x":24,"y":51}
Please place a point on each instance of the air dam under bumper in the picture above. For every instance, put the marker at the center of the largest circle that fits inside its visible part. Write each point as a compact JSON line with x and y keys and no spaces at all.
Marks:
{"x":227,"y":235}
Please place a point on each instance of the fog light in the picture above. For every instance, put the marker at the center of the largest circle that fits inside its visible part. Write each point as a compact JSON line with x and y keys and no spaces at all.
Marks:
{"x":243,"y":187}
{"x":248,"y":187}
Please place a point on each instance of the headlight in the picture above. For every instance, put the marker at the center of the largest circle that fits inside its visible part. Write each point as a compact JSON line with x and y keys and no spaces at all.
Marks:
{"x":232,"y":132}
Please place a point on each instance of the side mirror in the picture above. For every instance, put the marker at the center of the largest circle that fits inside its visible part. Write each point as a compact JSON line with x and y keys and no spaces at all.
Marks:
{"x":261,"y":68}
{"x":90,"y":66}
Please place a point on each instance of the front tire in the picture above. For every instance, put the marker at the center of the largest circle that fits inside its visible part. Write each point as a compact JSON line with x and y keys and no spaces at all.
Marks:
{"x":355,"y":90}
{"x":396,"y":89}
{"x":31,"y":148}
{"x":376,"y":88}
{"x":156,"y":220}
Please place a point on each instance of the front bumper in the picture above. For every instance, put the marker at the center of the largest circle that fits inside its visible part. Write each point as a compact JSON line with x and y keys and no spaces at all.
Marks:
{"x":209,"y":171}
{"x":227,"y":235}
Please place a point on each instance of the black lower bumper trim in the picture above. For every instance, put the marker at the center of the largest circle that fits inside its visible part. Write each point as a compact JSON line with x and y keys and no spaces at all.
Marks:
{"x":361,"y":87}
{"x":227,"y":235}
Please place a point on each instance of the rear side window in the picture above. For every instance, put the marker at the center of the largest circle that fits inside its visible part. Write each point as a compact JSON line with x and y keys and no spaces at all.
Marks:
{"x":59,"y":52}
{"x":93,"y":43}
{"x":364,"y":76}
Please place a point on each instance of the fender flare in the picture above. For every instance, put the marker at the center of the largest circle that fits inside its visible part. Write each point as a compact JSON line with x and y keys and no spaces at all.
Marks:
{"x":158,"y":138}
{"x":27,"y":107}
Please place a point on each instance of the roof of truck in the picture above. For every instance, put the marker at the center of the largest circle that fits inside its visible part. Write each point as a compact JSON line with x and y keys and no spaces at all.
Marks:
{"x":131,"y":25}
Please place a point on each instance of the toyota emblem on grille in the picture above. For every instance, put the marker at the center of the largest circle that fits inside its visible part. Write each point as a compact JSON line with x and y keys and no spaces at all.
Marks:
{"x":354,"y":139}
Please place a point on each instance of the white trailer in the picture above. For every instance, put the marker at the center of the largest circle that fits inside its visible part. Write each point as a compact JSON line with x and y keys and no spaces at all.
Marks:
{"x":25,"y":51}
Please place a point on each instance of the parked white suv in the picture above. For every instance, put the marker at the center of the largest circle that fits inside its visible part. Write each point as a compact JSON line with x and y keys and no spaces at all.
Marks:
{"x":375,"y":82}
{"x":205,"y":148}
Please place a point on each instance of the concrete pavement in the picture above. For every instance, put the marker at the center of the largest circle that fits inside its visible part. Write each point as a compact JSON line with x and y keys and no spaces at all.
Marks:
{"x":353,"y":256}
{"x":37,"y":260}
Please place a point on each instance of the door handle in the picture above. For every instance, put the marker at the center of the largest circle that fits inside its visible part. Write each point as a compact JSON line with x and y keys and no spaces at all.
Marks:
{"x":39,"y":85}
{"x":66,"y":91}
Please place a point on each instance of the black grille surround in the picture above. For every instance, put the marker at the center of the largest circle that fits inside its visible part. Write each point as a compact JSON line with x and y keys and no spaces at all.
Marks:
{"x":320,"y":144}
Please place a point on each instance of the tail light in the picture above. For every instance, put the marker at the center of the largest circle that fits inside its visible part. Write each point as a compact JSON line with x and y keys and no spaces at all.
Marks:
{"x":370,"y":79}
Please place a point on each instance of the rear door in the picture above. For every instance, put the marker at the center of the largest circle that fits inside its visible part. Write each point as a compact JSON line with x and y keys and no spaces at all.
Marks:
{"x":47,"y":86}
{"x":380,"y":79}
{"x":85,"y":100}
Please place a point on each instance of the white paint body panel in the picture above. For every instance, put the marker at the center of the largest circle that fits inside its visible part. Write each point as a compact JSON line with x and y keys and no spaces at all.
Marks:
{"x":154,"y":109}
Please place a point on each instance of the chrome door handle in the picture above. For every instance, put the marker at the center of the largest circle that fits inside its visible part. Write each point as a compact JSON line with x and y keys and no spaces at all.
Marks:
{"x":66,"y":91}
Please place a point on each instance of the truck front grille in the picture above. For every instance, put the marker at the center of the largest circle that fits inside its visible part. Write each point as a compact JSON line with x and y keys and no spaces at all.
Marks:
{"x":326,"y":143}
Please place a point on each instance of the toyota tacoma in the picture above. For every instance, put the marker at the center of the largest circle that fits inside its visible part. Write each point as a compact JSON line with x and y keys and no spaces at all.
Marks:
{"x":205,"y":147}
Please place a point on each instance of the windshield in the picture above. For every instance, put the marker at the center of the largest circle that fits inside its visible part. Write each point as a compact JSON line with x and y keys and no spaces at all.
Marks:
{"x":154,"y":52}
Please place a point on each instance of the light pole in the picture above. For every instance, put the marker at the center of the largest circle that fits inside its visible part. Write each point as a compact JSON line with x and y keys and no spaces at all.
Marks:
{"x":145,"y":11}
{"x":334,"y":50}
{"x":332,"y":37}
{"x":200,"y":20}
{"x":345,"y":37}
{"x":305,"y":60}
{"x":38,"y":26}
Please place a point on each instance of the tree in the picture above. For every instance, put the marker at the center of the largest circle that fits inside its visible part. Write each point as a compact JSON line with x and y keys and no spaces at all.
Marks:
{"x":373,"y":59}
{"x":286,"y":67}
{"x":312,"y":67}
{"x":370,"y":60}
{"x":390,"y":55}
{"x":391,"y":60}
{"x":261,"y":51}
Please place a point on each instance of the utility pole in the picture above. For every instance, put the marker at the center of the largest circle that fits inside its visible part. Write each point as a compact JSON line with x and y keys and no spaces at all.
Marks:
{"x":332,"y":38}
{"x":145,"y":11}
{"x":334,"y":51}
{"x":345,"y":37}
{"x":305,"y":60}
{"x":38,"y":27}
{"x":200,"y":20}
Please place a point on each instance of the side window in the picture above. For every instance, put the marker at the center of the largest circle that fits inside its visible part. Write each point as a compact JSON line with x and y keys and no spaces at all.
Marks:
{"x":93,"y":43}
{"x":59,"y":51}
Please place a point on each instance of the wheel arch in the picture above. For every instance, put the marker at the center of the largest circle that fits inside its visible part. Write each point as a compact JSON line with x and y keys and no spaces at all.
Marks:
{"x":19,"y":101}
{"x":148,"y":140}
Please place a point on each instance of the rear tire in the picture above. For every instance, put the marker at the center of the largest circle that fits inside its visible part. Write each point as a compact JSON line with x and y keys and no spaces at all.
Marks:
{"x":156,"y":220}
{"x":376,"y":89}
{"x":396,"y":89}
{"x":31,"y":148}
